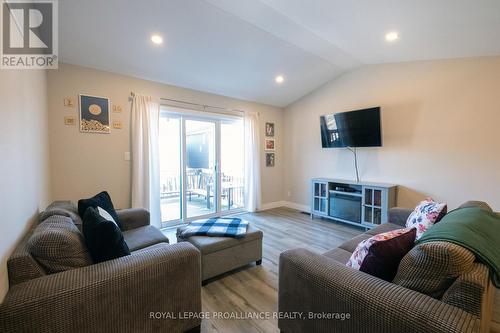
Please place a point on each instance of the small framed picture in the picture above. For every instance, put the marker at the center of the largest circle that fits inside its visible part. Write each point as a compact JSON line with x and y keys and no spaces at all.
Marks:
{"x":270,"y":129}
{"x":269,"y":144}
{"x":270,"y":160}
{"x":117,"y":124}
{"x":70,"y":121}
{"x":94,"y":114}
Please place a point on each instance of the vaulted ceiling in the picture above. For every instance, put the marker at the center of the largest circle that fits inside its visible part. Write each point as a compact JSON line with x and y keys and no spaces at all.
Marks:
{"x":236,"y":48}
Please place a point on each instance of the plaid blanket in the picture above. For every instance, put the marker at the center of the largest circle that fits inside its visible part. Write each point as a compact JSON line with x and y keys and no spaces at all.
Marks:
{"x":216,"y":227}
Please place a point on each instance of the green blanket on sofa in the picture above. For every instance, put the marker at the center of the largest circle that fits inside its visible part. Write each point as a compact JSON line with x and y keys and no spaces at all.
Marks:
{"x":474,"y":228}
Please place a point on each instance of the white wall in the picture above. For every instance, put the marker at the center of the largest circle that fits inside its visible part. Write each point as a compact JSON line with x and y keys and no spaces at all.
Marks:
{"x":83,"y":164}
{"x":440,"y":122}
{"x":24,"y":174}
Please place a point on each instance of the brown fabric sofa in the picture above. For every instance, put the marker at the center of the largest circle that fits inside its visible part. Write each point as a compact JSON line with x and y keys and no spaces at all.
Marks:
{"x":129,"y":294}
{"x":322,"y":284}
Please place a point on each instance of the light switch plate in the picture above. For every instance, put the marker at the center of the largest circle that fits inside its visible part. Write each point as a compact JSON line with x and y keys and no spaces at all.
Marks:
{"x":117,"y":124}
{"x":126,"y":156}
{"x":117,"y":108}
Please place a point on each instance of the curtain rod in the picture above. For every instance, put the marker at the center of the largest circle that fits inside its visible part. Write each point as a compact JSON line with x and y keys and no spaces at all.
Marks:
{"x":204,"y":106}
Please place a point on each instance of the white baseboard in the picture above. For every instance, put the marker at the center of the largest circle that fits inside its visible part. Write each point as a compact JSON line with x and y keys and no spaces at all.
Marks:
{"x":289,"y":204}
{"x":297,"y":206}
{"x":271,"y":205}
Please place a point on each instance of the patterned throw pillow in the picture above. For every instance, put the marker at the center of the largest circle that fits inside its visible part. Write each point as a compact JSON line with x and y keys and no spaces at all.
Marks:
{"x":431,"y":268}
{"x":57,"y":245}
{"x":380,"y":255}
{"x":425,"y":215}
{"x":64,"y":208}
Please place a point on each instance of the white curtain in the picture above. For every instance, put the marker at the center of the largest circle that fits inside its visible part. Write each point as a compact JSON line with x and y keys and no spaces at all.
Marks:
{"x":145,"y":156}
{"x":252,"y":162}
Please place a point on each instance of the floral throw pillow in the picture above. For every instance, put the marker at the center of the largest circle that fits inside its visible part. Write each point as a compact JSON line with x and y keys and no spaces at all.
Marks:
{"x":380,"y":255}
{"x":427,"y":213}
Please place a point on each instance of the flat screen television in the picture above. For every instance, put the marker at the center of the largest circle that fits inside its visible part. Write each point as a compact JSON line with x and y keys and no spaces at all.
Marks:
{"x":360,"y":128}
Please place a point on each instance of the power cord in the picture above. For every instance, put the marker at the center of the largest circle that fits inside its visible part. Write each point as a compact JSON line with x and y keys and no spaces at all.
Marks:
{"x":354,"y":151}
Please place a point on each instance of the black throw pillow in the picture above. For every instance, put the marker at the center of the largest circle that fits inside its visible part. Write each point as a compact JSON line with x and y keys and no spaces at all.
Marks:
{"x":102,"y":200}
{"x":103,"y":237}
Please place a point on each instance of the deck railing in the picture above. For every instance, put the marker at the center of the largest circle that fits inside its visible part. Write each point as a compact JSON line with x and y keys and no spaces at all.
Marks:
{"x":200,"y":183}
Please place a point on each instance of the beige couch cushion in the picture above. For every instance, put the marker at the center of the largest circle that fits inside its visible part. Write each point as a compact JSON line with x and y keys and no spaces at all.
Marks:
{"x":384,"y":228}
{"x":339,"y":255}
{"x":142,"y":237}
{"x":351,"y":244}
{"x":430,"y":268}
{"x":21,"y":264}
{"x":63,"y":208}
{"x":467,"y":290}
{"x":57,"y":245}
{"x":473,"y":203}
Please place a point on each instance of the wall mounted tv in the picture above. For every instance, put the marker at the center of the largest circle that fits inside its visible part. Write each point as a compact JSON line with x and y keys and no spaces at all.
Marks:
{"x":360,"y":128}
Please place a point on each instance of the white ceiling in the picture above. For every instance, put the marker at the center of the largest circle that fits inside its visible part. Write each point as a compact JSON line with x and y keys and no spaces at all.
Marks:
{"x":236,"y":47}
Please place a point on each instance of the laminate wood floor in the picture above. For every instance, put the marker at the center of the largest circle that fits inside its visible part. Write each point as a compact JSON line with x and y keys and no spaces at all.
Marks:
{"x":254,"y":289}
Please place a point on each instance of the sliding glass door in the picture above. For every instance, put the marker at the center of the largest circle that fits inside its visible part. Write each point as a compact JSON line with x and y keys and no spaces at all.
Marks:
{"x":199,"y":167}
{"x":201,"y":164}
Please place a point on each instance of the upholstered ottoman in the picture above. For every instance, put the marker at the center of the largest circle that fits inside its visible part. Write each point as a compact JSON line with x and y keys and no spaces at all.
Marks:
{"x":223,"y":254}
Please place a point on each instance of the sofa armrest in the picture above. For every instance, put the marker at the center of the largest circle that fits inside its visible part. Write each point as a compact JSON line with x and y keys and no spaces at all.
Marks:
{"x":132,"y":218}
{"x":113,"y":296}
{"x":399,"y":215}
{"x":311,"y":283}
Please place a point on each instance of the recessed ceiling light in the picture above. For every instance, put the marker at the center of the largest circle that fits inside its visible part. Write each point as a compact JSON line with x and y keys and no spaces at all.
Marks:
{"x":279,"y":79}
{"x":392,"y":36}
{"x":157,"y":39}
